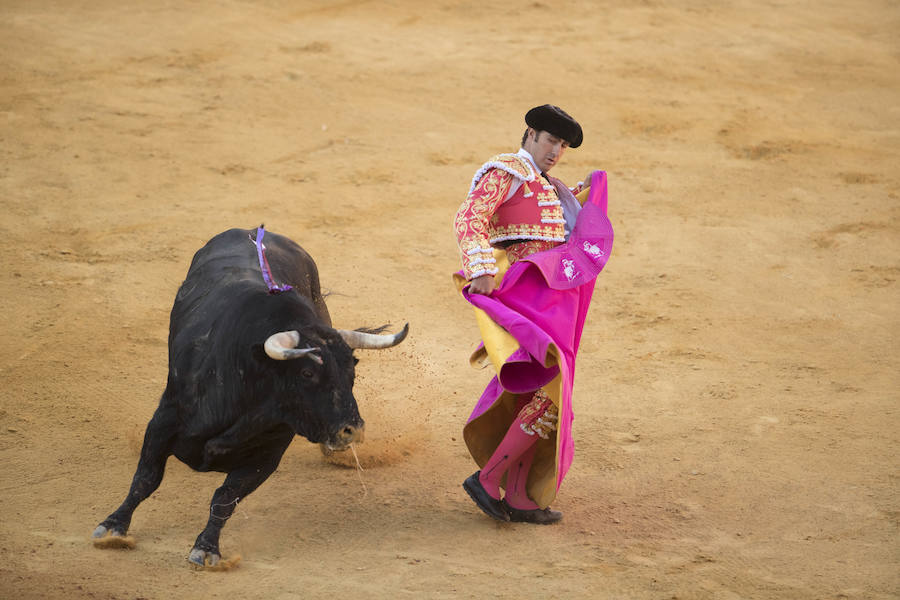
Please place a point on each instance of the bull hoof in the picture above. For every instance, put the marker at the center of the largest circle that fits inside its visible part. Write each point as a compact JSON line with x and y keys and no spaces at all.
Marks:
{"x":211,"y":561}
{"x":104,"y":537}
{"x":202,"y":558}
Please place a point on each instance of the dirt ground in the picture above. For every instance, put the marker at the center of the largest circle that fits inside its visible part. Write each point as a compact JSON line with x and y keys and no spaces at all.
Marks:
{"x":737,"y":393}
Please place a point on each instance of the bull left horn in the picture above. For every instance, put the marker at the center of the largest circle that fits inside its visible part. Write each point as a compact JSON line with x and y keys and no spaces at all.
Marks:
{"x":283,"y":346}
{"x":372,"y":341}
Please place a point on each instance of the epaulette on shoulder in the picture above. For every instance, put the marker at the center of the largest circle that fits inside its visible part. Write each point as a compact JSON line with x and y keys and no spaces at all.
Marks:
{"x":513,"y":164}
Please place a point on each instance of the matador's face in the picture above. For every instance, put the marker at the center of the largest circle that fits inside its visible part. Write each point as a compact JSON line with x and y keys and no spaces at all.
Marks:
{"x":545,"y":148}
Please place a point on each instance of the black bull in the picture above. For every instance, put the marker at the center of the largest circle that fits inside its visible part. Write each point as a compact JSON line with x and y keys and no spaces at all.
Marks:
{"x":248,"y":370}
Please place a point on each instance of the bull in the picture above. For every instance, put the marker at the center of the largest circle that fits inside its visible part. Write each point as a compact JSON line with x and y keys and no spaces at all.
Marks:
{"x":251,"y":365}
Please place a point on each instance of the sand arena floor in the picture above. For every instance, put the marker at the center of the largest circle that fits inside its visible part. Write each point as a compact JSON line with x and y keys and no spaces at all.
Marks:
{"x":736,"y":401}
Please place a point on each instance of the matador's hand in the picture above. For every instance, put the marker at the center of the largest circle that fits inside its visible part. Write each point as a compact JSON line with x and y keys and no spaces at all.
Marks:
{"x":586,"y":183}
{"x":482,"y":285}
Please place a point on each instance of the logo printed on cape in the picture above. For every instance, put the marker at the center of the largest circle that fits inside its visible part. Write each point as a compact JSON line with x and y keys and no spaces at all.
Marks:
{"x":569,"y":268}
{"x":593,"y":251}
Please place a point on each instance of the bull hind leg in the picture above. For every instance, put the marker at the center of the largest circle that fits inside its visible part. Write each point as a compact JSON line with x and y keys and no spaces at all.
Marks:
{"x":238,"y":484}
{"x":158,"y":441}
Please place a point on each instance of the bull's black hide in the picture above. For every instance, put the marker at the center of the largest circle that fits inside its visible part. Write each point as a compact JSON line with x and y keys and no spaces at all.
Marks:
{"x":230,"y":404}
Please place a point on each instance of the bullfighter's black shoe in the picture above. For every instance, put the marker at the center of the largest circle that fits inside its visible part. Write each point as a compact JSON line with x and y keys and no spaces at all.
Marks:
{"x":539,"y":516}
{"x":491,"y":507}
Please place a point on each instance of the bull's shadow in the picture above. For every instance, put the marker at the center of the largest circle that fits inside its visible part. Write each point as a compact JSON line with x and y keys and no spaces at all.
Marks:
{"x":252,"y":363}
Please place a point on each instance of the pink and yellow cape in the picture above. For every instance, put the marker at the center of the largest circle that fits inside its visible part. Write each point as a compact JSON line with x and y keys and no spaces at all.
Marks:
{"x":531,"y":328}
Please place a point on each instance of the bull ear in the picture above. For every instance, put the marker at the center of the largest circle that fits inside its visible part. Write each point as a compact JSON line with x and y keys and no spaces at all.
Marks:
{"x":372,"y":341}
{"x":283,"y":346}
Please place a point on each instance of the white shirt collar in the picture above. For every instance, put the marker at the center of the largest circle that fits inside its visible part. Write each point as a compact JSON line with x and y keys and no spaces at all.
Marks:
{"x":526,"y":154}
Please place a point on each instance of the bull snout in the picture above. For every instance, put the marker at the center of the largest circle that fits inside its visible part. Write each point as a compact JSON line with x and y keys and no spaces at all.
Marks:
{"x":343,"y":437}
{"x":352,"y":434}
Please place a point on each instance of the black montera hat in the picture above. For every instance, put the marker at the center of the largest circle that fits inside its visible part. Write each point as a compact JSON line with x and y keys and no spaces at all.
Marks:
{"x":556,"y":121}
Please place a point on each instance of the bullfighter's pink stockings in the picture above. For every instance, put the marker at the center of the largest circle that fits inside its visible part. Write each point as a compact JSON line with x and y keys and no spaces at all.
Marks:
{"x":515,"y":443}
{"x":536,"y":419}
{"x":516,"y":478}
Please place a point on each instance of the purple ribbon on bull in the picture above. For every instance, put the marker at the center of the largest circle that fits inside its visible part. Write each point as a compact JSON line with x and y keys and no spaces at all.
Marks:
{"x":274,"y":288}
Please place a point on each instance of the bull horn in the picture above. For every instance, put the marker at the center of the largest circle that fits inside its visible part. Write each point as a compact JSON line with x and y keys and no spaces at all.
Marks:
{"x":283,"y":346}
{"x":372,"y":341}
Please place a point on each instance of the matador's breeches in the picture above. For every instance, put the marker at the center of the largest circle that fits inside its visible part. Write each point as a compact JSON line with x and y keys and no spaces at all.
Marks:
{"x":539,"y":415}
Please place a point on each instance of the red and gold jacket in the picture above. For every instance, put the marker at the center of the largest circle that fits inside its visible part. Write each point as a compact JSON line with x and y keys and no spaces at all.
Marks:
{"x":529,"y":221}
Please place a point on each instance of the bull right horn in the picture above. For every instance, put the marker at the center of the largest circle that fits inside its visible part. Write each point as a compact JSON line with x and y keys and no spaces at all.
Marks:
{"x":283,"y":346}
{"x":372,"y":341}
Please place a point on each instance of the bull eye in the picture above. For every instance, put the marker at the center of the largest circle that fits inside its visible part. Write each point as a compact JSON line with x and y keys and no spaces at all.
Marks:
{"x":307,"y":373}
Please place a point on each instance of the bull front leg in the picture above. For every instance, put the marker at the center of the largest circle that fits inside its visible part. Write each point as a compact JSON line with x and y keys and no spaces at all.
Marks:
{"x":239,"y":483}
{"x":234,"y":439}
{"x":158,"y":441}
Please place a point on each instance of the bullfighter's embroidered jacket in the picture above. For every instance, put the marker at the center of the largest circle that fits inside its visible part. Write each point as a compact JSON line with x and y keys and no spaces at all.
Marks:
{"x":528,"y":221}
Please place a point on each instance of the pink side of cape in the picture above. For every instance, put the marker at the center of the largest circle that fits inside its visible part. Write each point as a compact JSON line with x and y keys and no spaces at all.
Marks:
{"x":542,"y":302}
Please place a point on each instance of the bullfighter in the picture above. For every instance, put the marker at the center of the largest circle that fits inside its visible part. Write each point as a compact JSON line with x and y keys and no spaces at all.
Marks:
{"x":531,"y":249}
